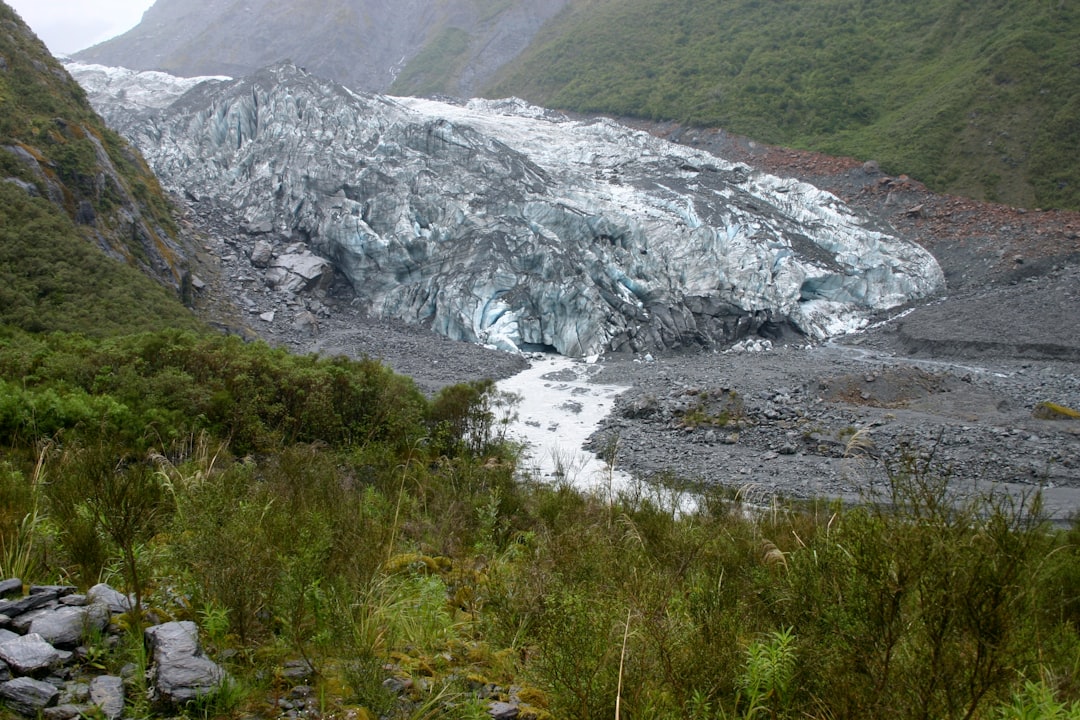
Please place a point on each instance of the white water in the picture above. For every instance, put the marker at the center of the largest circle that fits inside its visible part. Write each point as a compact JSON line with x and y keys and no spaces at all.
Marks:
{"x":558,"y":411}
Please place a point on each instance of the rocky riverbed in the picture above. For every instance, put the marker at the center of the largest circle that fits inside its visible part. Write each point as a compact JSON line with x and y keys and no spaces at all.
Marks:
{"x":956,"y":381}
{"x":833,"y":421}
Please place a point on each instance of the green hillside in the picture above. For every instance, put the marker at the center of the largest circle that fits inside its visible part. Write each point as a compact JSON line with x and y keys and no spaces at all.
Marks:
{"x":84,"y":226}
{"x":981,"y":99}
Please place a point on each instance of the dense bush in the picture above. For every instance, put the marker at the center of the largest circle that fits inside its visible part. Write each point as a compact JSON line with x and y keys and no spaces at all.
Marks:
{"x":322,"y":509}
{"x":160,"y":388}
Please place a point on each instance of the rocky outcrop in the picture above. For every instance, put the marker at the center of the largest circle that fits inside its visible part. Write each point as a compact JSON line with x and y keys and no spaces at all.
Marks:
{"x":505,"y":224}
{"x":45,"y":641}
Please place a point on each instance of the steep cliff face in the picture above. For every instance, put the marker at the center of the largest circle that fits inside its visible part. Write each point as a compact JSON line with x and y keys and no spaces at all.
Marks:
{"x":364,"y":44}
{"x":502,"y":223}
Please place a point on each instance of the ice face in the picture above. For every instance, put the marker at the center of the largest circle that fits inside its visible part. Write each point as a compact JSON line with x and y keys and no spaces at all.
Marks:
{"x":503,"y":223}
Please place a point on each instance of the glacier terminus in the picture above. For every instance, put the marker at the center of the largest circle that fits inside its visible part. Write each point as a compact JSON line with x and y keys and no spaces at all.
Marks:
{"x":501,"y":223}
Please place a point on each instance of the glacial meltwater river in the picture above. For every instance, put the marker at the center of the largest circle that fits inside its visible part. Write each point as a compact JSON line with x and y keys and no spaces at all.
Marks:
{"x":558,"y":411}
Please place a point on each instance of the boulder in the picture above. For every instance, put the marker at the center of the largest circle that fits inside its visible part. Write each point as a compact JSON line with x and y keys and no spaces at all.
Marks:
{"x":66,"y":626}
{"x":262,"y":254}
{"x":107,"y":693}
{"x":12,"y":586}
{"x":181,"y":671}
{"x":59,"y":590}
{"x":21,"y":624}
{"x":14,"y":608}
{"x":302,"y":271}
{"x":116,"y":601}
{"x":262,"y":227}
{"x":503,"y":711}
{"x":63,"y":712}
{"x":29,"y":654}
{"x":27,"y":696}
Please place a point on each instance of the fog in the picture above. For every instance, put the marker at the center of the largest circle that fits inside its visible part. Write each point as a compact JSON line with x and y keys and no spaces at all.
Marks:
{"x":67,"y":26}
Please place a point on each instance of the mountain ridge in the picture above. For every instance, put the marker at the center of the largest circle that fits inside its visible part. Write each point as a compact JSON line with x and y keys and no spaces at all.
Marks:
{"x":343,"y":40}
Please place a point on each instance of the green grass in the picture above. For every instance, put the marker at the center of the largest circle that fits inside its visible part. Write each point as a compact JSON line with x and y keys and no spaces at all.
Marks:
{"x":981,"y":99}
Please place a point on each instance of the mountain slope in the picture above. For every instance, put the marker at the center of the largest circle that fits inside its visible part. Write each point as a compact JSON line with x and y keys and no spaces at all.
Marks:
{"x":980,"y":99}
{"x":362,"y":43}
{"x":83,"y":223}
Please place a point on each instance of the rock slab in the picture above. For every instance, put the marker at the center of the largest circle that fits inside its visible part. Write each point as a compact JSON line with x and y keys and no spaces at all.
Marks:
{"x":107,"y":693}
{"x":29,"y":654}
{"x":27,"y":696}
{"x":66,"y":626}
{"x":182,"y":671}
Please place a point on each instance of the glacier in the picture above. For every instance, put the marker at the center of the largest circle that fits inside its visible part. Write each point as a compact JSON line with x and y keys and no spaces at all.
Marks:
{"x":501,"y":223}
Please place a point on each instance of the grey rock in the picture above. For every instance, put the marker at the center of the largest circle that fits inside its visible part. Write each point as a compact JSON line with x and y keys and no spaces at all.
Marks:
{"x":27,"y":696}
{"x":64,"y":712}
{"x":107,"y":693}
{"x":182,"y":671}
{"x":12,"y":586}
{"x":500,"y":223}
{"x":29,"y":654}
{"x":116,"y":601}
{"x":503,"y":711}
{"x":21,"y":624}
{"x":297,"y":670}
{"x":60,"y":590}
{"x":263,"y":227}
{"x":74,"y":600}
{"x":66,"y":626}
{"x":262,"y":254}
{"x":302,"y":271}
{"x":6,"y":635}
{"x":14,"y":608}
{"x":75,"y":693}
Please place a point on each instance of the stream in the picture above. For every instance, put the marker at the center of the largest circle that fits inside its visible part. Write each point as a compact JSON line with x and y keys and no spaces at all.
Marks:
{"x":559,"y":409}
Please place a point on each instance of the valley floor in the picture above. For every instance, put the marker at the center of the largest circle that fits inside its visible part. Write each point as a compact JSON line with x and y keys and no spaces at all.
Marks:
{"x":954,"y":382}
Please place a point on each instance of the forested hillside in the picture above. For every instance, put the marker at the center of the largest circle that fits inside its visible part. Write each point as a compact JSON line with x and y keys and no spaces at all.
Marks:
{"x":981,"y":99}
{"x":83,"y":222}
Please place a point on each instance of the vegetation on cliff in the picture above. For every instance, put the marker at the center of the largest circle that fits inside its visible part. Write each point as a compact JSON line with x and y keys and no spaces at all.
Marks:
{"x":72,"y":188}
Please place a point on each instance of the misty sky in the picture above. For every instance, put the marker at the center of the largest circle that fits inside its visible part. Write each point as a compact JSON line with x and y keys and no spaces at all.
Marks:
{"x":70,"y":25}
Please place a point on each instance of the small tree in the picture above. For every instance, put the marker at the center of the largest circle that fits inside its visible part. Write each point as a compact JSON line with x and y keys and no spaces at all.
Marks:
{"x":122,"y":500}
